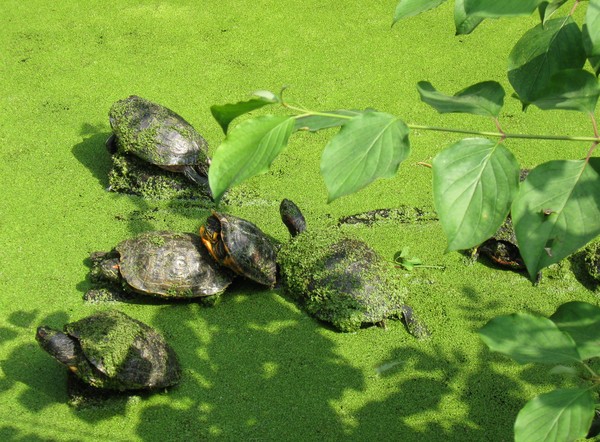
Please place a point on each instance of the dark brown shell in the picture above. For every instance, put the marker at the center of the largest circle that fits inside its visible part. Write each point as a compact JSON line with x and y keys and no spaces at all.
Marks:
{"x":171,"y":264}
{"x":241,"y":246}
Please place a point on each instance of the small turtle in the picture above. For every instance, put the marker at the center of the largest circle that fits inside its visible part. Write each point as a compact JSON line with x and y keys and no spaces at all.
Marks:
{"x":158,"y":136}
{"x":113,"y":351}
{"x":339,"y":279}
{"x":502,"y":248}
{"x":241,"y":246}
{"x":161,"y":263}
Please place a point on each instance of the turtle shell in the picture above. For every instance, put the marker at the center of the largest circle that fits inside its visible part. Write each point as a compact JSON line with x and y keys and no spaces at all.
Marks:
{"x":157,"y":135}
{"x":118,"y":352}
{"x":241,"y":246}
{"x":340,"y":280}
{"x":170,"y":264}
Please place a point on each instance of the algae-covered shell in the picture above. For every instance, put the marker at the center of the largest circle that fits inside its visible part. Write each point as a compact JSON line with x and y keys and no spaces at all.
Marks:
{"x":168,"y":264}
{"x":159,"y":136}
{"x":340,"y":280}
{"x":241,"y":246}
{"x":114,"y":351}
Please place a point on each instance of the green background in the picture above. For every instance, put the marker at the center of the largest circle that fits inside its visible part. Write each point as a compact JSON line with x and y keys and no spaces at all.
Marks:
{"x":255,"y":366}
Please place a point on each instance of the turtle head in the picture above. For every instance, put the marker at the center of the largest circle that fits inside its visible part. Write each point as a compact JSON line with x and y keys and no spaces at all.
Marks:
{"x":210,"y":234}
{"x":292,"y":217}
{"x":57,"y":344}
{"x":105,"y":267}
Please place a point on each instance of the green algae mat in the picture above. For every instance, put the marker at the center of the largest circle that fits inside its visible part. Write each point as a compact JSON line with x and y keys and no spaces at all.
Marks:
{"x":255,"y":367}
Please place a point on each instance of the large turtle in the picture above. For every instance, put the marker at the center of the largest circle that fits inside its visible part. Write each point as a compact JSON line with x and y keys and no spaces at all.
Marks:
{"x":158,"y":136}
{"x":241,"y":246}
{"x":340,"y":280}
{"x":113,"y":351}
{"x":161,"y":263}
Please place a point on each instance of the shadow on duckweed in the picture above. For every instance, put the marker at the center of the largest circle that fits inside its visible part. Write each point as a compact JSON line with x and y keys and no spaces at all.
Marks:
{"x":434,"y":374}
{"x":27,"y":365}
{"x":92,"y":153}
{"x":255,"y":367}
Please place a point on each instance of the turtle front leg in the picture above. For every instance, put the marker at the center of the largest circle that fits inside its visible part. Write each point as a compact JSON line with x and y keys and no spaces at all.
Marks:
{"x":413,"y":324}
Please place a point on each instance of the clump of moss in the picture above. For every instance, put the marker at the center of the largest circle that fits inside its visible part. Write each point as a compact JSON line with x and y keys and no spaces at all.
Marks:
{"x":340,"y":280}
{"x":101,"y":295}
{"x":591,"y":259}
{"x":133,"y":176}
{"x":402,"y":214}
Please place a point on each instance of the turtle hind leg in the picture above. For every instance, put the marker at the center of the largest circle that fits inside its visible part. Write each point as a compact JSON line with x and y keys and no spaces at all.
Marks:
{"x":413,"y":324}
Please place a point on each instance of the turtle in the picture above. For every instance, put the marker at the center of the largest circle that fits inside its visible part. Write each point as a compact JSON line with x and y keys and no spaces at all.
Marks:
{"x":339,"y":279}
{"x":160,"y":263}
{"x":158,"y":136}
{"x":241,"y":246}
{"x":502,"y":248}
{"x":110,"y":350}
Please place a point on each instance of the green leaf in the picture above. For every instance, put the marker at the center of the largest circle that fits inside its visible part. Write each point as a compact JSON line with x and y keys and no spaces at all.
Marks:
{"x":501,"y":8}
{"x":226,"y":113}
{"x":571,"y":89}
{"x":484,"y":98}
{"x":465,"y":24}
{"x":557,"y":211}
{"x":474,"y":182}
{"x":542,"y":52}
{"x":248,"y":150}
{"x":314,"y":123}
{"x":370,"y":146}
{"x":409,"y":8}
{"x":581,"y":320}
{"x":558,"y":416}
{"x":547,"y":9}
{"x":591,"y":34}
{"x":527,"y":338}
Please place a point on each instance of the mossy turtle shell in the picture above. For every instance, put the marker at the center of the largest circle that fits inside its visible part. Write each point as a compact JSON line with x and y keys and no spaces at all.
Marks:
{"x":241,"y":246}
{"x":170,"y":264}
{"x":340,"y":280}
{"x":118,"y":352}
{"x":157,"y":135}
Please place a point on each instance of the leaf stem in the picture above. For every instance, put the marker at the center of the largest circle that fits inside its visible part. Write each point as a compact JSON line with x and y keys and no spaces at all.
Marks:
{"x":595,"y":143}
{"x":304,"y":112}
{"x":595,"y":139}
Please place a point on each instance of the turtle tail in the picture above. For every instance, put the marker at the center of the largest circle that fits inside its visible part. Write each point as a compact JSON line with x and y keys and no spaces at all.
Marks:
{"x":292,"y":217}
